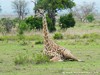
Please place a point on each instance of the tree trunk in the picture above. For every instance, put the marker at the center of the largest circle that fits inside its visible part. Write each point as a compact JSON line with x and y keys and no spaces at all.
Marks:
{"x":51,"y":15}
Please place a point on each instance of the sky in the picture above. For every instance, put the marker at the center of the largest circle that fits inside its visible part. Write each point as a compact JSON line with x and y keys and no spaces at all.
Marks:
{"x":7,"y":8}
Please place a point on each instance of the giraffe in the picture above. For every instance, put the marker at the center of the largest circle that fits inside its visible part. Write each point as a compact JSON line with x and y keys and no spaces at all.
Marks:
{"x":54,"y":51}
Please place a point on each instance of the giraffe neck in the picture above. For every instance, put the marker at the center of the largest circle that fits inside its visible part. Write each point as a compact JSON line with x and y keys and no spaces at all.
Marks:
{"x":47,"y":40}
{"x":45,"y":28}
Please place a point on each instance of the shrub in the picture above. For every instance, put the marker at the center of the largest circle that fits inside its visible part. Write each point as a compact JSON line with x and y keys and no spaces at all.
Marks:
{"x":91,"y":40}
{"x":91,"y":35}
{"x":34,"y":22}
{"x":39,"y":42}
{"x":90,"y":17}
{"x":85,"y":36}
{"x":20,"y":37}
{"x":1,"y":39}
{"x":72,"y":36}
{"x":58,"y":36}
{"x":22,"y":27}
{"x":21,"y":59}
{"x":7,"y":24}
{"x":67,"y":21}
{"x":32,"y":59}
{"x":23,"y":42}
{"x":40,"y":58}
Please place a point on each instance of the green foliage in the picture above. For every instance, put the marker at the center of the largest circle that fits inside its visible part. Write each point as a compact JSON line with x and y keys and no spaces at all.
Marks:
{"x":16,"y":20}
{"x":22,"y":27}
{"x":51,"y":7}
{"x":7,"y":24}
{"x":34,"y":37}
{"x":24,"y":58}
{"x":21,"y":59}
{"x":90,"y":17}
{"x":39,"y":42}
{"x":91,"y":40}
{"x":67,"y":21}
{"x":58,"y":36}
{"x":54,"y":4}
{"x":68,"y":36}
{"x":51,"y":27}
{"x":10,"y":38}
{"x":40,"y":58}
{"x":34,"y":22}
{"x":22,"y":37}
{"x":91,"y":35}
{"x":23,"y":43}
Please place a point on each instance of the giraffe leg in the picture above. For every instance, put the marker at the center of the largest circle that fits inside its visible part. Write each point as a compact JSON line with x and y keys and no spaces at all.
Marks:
{"x":69,"y":55}
{"x":55,"y":59}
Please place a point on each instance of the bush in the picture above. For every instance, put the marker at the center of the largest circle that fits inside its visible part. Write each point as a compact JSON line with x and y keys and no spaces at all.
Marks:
{"x":90,"y":17}
{"x":58,"y":36}
{"x":1,"y":39}
{"x":31,"y":59}
{"x":72,"y":36}
{"x":23,"y":43}
{"x":39,"y":42}
{"x":91,"y":35}
{"x":67,"y":21}
{"x":21,"y":59}
{"x":22,"y":27}
{"x":7,"y":24}
{"x":40,"y":58}
{"x":91,"y":40}
{"x":34,"y":22}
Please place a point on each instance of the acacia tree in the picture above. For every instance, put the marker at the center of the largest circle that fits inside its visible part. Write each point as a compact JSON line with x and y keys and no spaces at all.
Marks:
{"x":20,"y":7}
{"x":52,"y":6}
{"x":82,"y":11}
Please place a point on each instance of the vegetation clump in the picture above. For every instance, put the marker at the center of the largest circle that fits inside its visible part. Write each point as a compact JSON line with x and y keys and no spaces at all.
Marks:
{"x":67,"y":21}
{"x":35,"y":58}
{"x":58,"y":36}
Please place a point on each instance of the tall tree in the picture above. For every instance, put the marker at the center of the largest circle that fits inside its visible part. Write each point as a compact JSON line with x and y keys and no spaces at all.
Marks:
{"x":20,"y":7}
{"x":52,"y":6}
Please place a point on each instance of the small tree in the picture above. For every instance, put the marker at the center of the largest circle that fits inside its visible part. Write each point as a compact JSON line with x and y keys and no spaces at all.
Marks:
{"x":82,"y":11}
{"x":22,"y":27}
{"x":20,"y":7}
{"x":67,"y":21}
{"x":7,"y":24}
{"x":90,"y":17}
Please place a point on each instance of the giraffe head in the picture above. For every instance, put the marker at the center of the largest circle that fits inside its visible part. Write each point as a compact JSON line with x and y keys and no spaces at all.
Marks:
{"x":40,"y":13}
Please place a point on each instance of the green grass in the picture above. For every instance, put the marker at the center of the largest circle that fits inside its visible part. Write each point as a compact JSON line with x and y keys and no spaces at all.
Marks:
{"x":89,"y":53}
{"x":83,"y":40}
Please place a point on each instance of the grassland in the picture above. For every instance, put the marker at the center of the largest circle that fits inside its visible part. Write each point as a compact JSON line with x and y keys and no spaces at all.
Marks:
{"x":85,"y":48}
